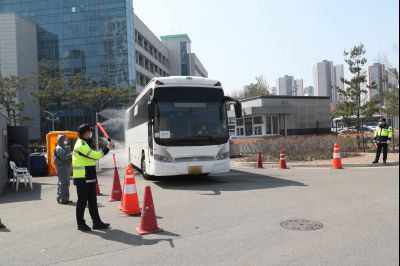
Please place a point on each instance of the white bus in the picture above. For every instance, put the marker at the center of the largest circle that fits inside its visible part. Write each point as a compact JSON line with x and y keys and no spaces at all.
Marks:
{"x":179,"y":126}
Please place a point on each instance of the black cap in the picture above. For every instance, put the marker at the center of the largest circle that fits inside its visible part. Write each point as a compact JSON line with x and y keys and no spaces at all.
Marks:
{"x":383,"y":119}
{"x":83,"y":129}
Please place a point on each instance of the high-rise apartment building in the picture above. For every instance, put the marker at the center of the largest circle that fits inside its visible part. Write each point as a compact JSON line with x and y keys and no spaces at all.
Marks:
{"x":377,"y":79}
{"x":298,"y":87}
{"x":327,"y":79}
{"x":338,"y":83}
{"x":285,"y":85}
{"x":323,"y":78}
{"x":289,"y":86}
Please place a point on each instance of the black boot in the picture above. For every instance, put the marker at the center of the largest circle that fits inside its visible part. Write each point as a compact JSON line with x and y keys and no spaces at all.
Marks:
{"x":100,"y":226}
{"x":84,"y":228}
{"x":69,"y":202}
{"x":375,"y":162}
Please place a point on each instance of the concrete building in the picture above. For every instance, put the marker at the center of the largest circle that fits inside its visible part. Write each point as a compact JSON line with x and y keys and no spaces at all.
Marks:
{"x":3,"y":152}
{"x":18,"y":57}
{"x":197,"y":68}
{"x":151,"y":55}
{"x":285,"y":85}
{"x":282,"y":115}
{"x":298,"y":87}
{"x":170,"y":56}
{"x":182,"y":62}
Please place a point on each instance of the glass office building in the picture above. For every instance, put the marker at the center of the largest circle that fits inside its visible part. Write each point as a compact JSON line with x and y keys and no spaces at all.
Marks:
{"x":89,"y":37}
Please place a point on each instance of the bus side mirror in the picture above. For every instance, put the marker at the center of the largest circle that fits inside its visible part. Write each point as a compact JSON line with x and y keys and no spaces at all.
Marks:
{"x":151,"y":110}
{"x":238,"y":110}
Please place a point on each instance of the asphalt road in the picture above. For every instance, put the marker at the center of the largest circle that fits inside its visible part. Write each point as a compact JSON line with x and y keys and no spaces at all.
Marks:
{"x":227,"y":219}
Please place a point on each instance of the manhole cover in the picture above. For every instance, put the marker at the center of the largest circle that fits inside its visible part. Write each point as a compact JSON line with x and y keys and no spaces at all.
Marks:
{"x":302,"y":225}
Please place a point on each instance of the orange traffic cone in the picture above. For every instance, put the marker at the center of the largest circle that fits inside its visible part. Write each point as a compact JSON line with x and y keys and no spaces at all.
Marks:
{"x":130,"y":200}
{"x":259,"y":161}
{"x":98,"y":193}
{"x":116,"y":193}
{"x":337,"y":158}
{"x":2,"y":226}
{"x":148,"y":222}
{"x":282,"y":161}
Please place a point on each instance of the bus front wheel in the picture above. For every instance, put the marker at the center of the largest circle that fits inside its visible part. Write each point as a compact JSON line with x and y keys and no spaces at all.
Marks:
{"x":143,"y":169}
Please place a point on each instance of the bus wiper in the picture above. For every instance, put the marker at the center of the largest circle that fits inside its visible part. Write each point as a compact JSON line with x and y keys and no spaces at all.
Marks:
{"x":206,"y":136}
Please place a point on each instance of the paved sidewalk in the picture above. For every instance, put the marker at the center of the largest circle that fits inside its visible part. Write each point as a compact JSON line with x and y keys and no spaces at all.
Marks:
{"x":364,"y":160}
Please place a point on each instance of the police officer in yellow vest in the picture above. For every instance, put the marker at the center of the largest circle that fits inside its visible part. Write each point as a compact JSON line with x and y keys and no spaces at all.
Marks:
{"x":382,"y":137}
{"x":85,"y":178}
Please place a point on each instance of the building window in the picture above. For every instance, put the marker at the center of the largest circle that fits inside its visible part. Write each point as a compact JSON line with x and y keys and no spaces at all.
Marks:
{"x":240,"y":131}
{"x":185,"y":69}
{"x":258,"y":130}
{"x":258,"y":120}
{"x":272,"y":125}
{"x":248,"y":125}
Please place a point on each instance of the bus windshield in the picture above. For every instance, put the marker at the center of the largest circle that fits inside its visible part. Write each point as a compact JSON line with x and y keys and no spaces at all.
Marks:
{"x":190,"y":117}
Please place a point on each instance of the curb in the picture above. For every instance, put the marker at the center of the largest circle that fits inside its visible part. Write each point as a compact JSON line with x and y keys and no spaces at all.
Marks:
{"x":268,"y":165}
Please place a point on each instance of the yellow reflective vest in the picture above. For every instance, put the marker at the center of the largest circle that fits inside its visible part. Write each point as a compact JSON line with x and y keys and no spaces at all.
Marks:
{"x":383,"y":134}
{"x":84,"y":161}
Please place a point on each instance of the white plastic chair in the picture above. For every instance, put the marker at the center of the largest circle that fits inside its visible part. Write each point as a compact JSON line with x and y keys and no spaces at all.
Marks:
{"x":20,"y":173}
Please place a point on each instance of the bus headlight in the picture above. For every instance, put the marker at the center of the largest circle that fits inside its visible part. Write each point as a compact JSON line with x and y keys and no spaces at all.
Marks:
{"x":163,"y":159}
{"x":222,"y":156}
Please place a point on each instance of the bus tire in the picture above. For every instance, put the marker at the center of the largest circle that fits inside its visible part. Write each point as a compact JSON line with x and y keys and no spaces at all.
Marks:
{"x":143,"y":168}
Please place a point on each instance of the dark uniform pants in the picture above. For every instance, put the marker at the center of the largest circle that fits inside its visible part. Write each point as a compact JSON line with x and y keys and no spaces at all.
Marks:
{"x":384,"y":147}
{"x":87,"y":195}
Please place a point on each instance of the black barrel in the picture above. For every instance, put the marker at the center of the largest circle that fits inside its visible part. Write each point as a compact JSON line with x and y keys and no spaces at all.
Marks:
{"x":38,"y":164}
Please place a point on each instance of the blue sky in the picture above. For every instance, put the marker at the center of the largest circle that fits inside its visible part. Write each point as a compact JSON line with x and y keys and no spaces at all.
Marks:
{"x":237,"y":40}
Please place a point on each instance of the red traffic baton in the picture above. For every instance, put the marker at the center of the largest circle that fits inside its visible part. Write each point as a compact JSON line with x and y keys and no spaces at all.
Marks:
{"x":104,"y":131}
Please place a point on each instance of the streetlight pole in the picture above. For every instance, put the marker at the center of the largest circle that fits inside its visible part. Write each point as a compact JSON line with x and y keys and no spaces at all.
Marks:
{"x":96,"y":130}
{"x":53,"y":118}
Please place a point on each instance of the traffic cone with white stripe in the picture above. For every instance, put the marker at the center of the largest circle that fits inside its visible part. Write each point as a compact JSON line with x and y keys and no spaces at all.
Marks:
{"x":122,"y":198}
{"x":282,"y":160}
{"x":2,"y":226}
{"x":337,"y":158}
{"x":130,"y":199}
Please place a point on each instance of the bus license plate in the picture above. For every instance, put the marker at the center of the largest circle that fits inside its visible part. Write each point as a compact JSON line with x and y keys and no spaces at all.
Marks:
{"x":195,"y":170}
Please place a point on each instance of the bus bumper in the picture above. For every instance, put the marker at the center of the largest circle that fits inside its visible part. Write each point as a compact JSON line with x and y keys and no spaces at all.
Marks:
{"x":192,"y":168}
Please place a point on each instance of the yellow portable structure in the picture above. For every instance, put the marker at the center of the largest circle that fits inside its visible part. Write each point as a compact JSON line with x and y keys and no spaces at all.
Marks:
{"x":51,"y":143}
